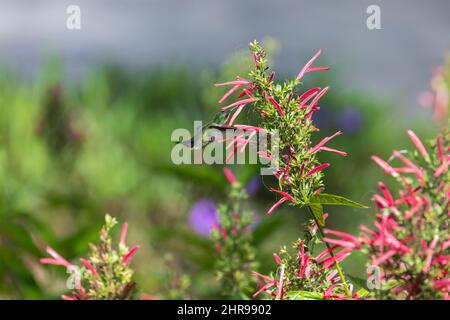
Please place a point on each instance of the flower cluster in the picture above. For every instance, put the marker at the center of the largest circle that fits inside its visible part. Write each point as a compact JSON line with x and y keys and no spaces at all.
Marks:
{"x":411,"y":240}
{"x":232,"y":239}
{"x":105,"y":274}
{"x":305,"y":275}
{"x":282,"y":109}
{"x":284,"y":112}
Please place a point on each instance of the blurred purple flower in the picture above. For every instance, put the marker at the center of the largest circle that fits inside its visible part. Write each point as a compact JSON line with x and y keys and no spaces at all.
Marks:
{"x":350,"y":120}
{"x":202,"y":217}
{"x":253,"y":186}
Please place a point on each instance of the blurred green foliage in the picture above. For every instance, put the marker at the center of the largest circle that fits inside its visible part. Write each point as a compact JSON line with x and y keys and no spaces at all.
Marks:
{"x":71,"y":152}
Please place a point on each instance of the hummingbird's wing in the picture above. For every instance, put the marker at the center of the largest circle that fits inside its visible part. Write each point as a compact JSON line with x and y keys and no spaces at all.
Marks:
{"x":222,"y":127}
{"x":190,"y":143}
{"x":218,"y":122}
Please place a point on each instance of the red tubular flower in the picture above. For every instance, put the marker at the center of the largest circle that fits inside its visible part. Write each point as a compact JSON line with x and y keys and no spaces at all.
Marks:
{"x":386,"y":193}
{"x":308,"y":93}
{"x":418,"y":144}
{"x":339,"y":152}
{"x":280,"y":293}
{"x":439,"y":149}
{"x":255,"y":59}
{"x":57,"y":260}
{"x":265,"y":288}
{"x":230,"y":176}
{"x":385,"y":166}
{"x":242,"y":102}
{"x":130,"y":253}
{"x":270,"y":211}
{"x":229,"y":93}
{"x":277,"y":258}
{"x":265,"y":155}
{"x":89,"y":266}
{"x":441,"y":168}
{"x":318,"y":168}
{"x":325,"y":140}
{"x":123,"y":233}
{"x":236,"y":113}
{"x":409,"y":164}
{"x":246,"y":127}
{"x":306,"y":69}
{"x":275,"y":104}
{"x":284,"y":194}
{"x":430,"y":253}
{"x":235,"y":82}
{"x":285,"y":197}
{"x":316,"y":98}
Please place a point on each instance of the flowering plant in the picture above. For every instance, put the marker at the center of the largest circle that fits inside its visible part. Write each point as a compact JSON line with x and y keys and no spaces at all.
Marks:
{"x":281,"y":109}
{"x":232,"y":240}
{"x":410,"y":244}
{"x":105,"y":274}
{"x":303,"y":275}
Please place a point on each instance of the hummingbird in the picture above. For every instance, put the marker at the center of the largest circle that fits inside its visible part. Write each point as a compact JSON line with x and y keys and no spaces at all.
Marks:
{"x":202,"y":135}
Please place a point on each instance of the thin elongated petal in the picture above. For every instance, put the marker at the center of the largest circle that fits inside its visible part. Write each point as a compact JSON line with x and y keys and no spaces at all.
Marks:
{"x":235,"y":115}
{"x":129,"y":254}
{"x":235,"y":82}
{"x":343,"y":235}
{"x":276,"y":205}
{"x":323,"y":142}
{"x":441,"y":169}
{"x":265,"y":155}
{"x":238,"y":103}
{"x":123,"y":233}
{"x":307,"y":66}
{"x":308,"y":93}
{"x":339,"y":152}
{"x":230,"y":176}
{"x":418,"y":144}
{"x":88,"y":266}
{"x":383,"y":257}
{"x":276,"y":105}
{"x":430,"y":253}
{"x":57,"y":259}
{"x":246,"y":127}
{"x":229,"y":93}
{"x":317,"y":97}
{"x":439,"y":148}
{"x":386,"y":193}
{"x":316,"y":169}
{"x":284,"y":194}
{"x":409,"y":164}
{"x":385,"y":166}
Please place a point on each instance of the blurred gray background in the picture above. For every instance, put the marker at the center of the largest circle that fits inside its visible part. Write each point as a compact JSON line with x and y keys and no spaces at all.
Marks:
{"x":396,"y":61}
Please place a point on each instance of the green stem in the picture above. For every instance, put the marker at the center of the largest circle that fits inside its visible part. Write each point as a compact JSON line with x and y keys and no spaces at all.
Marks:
{"x":336,"y":263}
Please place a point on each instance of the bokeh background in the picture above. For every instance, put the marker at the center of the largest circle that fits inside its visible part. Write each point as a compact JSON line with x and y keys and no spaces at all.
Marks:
{"x":86,"y":117}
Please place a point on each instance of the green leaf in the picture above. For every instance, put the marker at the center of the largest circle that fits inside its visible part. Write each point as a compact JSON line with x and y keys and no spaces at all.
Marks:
{"x":363,"y":293}
{"x":317,"y":211}
{"x":304,"y":295}
{"x":332,"y":199}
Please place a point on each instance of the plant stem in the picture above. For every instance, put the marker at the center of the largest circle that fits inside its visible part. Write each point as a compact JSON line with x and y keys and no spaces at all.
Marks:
{"x":336,"y":263}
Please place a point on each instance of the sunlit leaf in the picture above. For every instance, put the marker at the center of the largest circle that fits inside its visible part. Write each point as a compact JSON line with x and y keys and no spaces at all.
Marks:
{"x":332,"y":199}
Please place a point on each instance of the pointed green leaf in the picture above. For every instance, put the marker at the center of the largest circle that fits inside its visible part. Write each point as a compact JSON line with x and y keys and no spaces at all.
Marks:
{"x":363,"y":293}
{"x":304,"y":295}
{"x":332,"y":199}
{"x":317,"y":211}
